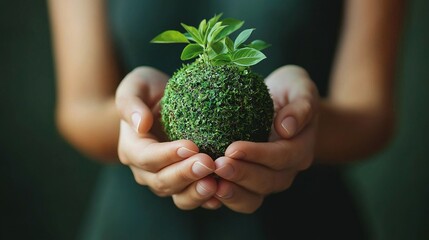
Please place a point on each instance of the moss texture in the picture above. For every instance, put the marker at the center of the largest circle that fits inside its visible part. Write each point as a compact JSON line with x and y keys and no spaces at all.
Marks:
{"x":214,"y":106}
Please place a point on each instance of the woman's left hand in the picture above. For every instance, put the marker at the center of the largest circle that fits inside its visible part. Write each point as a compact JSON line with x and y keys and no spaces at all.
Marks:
{"x":250,"y":171}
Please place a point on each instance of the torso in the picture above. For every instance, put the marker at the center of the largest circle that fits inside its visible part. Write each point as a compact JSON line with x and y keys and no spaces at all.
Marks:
{"x":302,"y":32}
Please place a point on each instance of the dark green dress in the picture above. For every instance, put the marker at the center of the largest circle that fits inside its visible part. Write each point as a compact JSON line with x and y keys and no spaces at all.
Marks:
{"x":317,"y":206}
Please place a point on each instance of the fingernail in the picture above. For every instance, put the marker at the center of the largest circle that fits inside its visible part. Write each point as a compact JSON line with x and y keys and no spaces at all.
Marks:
{"x":136,"y":119}
{"x":185,"y":152}
{"x":289,"y":124}
{"x":237,"y":155}
{"x":225,"y":195}
{"x":202,"y":190}
{"x":226,"y":171}
{"x":201,"y":170}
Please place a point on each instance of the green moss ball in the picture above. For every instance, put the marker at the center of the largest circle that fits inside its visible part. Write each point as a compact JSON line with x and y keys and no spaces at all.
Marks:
{"x":214,"y":106}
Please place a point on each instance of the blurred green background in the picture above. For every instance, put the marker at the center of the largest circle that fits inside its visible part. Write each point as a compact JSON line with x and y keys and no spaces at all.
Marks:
{"x":46,"y":185}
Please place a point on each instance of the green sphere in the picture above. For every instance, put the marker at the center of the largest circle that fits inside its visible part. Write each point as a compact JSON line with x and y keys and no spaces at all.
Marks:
{"x":214,"y":106}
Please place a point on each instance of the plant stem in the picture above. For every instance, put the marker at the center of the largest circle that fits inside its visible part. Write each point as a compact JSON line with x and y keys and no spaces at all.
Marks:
{"x":205,"y":55}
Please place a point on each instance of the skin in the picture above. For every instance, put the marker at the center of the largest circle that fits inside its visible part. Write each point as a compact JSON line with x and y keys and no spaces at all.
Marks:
{"x":110,"y":120}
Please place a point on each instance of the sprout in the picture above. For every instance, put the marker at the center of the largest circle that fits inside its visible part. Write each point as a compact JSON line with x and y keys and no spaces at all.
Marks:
{"x":211,"y":42}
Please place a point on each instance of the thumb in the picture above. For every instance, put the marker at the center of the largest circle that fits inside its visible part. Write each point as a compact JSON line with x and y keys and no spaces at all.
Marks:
{"x":294,"y":117}
{"x":136,"y":114}
{"x":129,"y":102}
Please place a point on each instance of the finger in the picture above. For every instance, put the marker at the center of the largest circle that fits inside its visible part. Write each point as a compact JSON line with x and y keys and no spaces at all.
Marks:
{"x":149,"y":154}
{"x":140,"y":176}
{"x":146,"y":83}
{"x":135,"y":113}
{"x":145,"y":152}
{"x":293,"y":117}
{"x":287,"y":83}
{"x":176,"y":177}
{"x":278,"y":155}
{"x":295,"y":98}
{"x":132,"y":109}
{"x":212,"y":204}
{"x":196,"y":194}
{"x":237,"y":198}
{"x":253,"y":177}
{"x":137,"y":93}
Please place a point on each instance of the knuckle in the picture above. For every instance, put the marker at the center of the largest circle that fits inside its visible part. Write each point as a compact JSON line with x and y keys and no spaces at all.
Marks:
{"x":183,"y":175}
{"x":143,"y":160}
{"x":158,"y":193}
{"x":139,"y":179}
{"x":141,"y":163}
{"x":162,"y":186}
{"x":123,"y":157}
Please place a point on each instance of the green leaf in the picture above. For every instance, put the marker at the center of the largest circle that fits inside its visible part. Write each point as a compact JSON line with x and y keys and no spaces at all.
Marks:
{"x":211,"y":54}
{"x":217,"y":28}
{"x":222,"y":59}
{"x":247,"y":57}
{"x":188,"y":36}
{"x":242,"y":37}
{"x":195,"y":34}
{"x":170,"y":36}
{"x":202,"y":28}
{"x":232,"y":25}
{"x":212,"y":43}
{"x":191,"y":51}
{"x":258,"y":45}
{"x":229,"y":44}
{"x":219,"y":47}
{"x":212,"y":21}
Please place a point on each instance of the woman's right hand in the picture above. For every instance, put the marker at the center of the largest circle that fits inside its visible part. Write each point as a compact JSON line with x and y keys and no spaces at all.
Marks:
{"x":174,"y":168}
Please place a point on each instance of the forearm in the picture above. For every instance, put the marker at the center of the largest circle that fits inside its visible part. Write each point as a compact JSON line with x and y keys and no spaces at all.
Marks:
{"x":87,"y":75}
{"x":357,"y":118}
{"x":346,"y":134}
{"x":92,"y":127}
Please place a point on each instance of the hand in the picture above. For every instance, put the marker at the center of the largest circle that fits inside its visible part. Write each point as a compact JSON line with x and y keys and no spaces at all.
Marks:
{"x":250,"y":171}
{"x":168,"y":168}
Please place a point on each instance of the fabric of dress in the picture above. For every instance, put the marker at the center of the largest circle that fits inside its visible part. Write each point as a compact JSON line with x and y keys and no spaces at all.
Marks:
{"x":317,"y":206}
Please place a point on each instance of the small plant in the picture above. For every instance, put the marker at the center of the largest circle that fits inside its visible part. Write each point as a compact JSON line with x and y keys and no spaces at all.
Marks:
{"x":213,"y":44}
{"x":216,"y":99}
